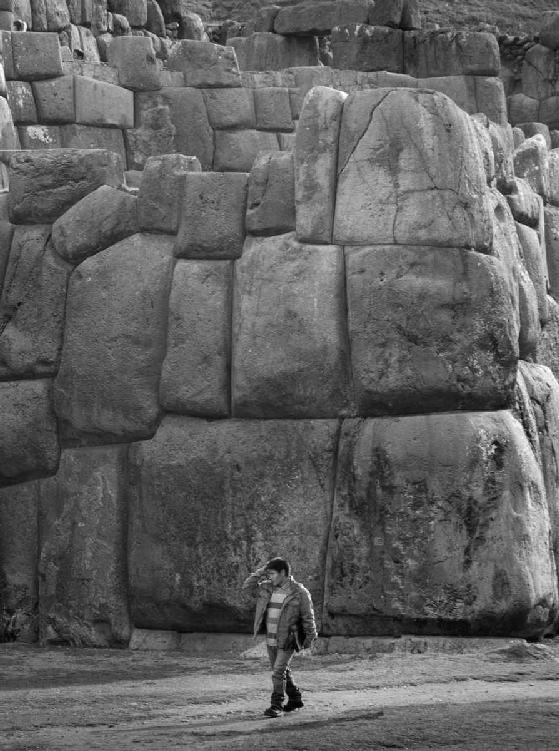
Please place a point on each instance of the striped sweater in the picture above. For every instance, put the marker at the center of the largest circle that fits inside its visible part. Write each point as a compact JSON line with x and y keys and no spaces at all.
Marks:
{"x":273,"y":613}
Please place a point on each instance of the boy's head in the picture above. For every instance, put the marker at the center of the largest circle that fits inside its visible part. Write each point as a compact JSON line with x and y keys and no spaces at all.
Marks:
{"x":279,"y":570}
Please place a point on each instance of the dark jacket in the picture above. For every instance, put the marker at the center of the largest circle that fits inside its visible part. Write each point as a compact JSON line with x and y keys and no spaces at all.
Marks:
{"x":296,"y":610}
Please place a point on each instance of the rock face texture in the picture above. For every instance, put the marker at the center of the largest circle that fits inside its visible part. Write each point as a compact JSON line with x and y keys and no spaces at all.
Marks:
{"x":234,"y":491}
{"x":114,"y":344}
{"x":435,"y":503}
{"x":253,"y":306}
{"x":82,"y":560}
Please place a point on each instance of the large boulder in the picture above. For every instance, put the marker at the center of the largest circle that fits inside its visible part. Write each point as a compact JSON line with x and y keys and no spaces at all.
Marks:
{"x":393,"y":188}
{"x":431,"y":329}
{"x":290,"y":349}
{"x":19,"y":543}
{"x":114,"y":343}
{"x":99,"y":220}
{"x":440,"y":525}
{"x":195,"y":373}
{"x":28,"y":435}
{"x":44,"y":184}
{"x":213,"y":500}
{"x":82,"y":564}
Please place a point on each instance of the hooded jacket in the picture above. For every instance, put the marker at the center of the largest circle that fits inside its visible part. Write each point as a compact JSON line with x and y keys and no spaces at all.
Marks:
{"x":296,"y":610}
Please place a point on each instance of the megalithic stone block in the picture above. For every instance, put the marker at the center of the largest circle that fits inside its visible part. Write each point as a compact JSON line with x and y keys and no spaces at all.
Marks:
{"x":19,"y":544}
{"x":316,"y":164}
{"x":44,"y":184}
{"x":28,"y":433}
{"x":114,"y":343}
{"x":212,"y":216}
{"x":536,"y":265}
{"x":271,"y":195}
{"x":290,"y":347}
{"x":134,"y":59}
{"x":195,"y":374}
{"x":161,"y":191}
{"x":205,"y":65}
{"x":83,"y":597}
{"x":440,"y":525}
{"x":429,"y":326}
{"x":36,"y":56}
{"x":102,"y":218}
{"x":451,"y":53}
{"x":397,"y":176}
{"x":368,"y":48}
{"x":198,"y":488}
{"x":265,"y":51}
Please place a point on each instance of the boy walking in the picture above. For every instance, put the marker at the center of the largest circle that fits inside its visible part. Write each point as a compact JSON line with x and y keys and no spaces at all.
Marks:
{"x":284,"y":610}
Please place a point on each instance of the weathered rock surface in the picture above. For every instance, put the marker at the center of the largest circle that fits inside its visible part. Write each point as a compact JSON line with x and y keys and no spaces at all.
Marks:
{"x":19,"y":600}
{"x":451,"y":53}
{"x":195,"y":373}
{"x":319,"y":18}
{"x":551,"y":215}
{"x":290,"y":349}
{"x":271,"y":195}
{"x":536,"y":265}
{"x":266,"y":51}
{"x":114,"y":342}
{"x":524,"y":203}
{"x":31,"y":329}
{"x":234,"y":491}
{"x":35,"y":56}
{"x":316,"y":162}
{"x":99,"y":220}
{"x":543,"y":390}
{"x":28,"y":435}
{"x":398,"y":177}
{"x":44,"y":184}
{"x":82,"y":564}
{"x":205,"y":65}
{"x":161,"y":191}
{"x":368,"y":48}
{"x":237,"y":150}
{"x":212,"y":215}
{"x":440,"y":525}
{"x":531,"y":162}
{"x":430,"y":328}
{"x":134,"y":59}
{"x":548,"y":345}
{"x":193,"y":134}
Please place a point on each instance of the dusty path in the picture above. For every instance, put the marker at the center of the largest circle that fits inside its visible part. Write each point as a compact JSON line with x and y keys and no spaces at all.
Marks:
{"x":62,"y":699}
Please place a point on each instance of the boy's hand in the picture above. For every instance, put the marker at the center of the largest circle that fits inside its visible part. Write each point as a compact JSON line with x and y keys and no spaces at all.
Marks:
{"x":261,"y":571}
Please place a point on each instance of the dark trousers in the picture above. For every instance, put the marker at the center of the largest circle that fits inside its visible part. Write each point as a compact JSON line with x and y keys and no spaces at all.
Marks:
{"x":282,"y":680}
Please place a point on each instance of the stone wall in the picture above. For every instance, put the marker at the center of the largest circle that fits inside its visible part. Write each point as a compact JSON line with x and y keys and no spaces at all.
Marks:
{"x":320,"y":320}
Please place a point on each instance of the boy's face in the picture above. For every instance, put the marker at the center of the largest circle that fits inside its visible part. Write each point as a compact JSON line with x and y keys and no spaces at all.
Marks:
{"x":276,"y":577}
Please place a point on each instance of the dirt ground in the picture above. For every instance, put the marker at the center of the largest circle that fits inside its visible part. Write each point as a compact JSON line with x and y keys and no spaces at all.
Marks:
{"x":497,"y":698}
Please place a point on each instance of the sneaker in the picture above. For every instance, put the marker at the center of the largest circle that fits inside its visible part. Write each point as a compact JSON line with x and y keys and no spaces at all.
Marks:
{"x":292,"y":705}
{"x":273,"y":712}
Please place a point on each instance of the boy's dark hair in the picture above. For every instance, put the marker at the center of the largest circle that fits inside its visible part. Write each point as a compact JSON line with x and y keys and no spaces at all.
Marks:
{"x":279,"y":565}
